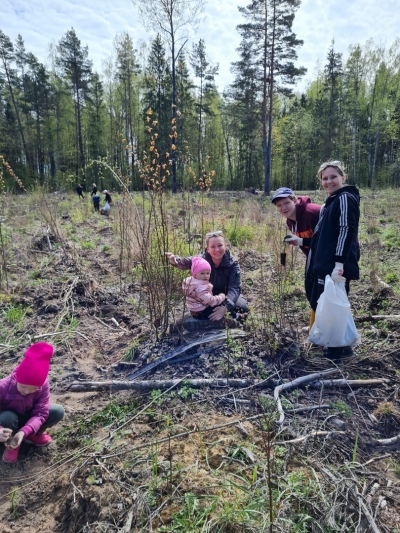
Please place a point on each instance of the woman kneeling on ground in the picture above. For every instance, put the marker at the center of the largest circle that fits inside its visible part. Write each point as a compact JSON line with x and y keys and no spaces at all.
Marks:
{"x":25,"y":408}
{"x":224,"y":277}
{"x":334,"y":246}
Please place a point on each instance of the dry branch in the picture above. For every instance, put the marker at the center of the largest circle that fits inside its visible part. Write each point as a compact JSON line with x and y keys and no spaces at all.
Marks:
{"x":388,"y":442}
{"x":312,"y":434}
{"x":296,"y":383}
{"x":349,"y":382}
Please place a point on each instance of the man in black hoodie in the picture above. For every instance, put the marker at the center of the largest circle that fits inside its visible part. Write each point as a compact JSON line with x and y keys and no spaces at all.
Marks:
{"x":334,"y":246}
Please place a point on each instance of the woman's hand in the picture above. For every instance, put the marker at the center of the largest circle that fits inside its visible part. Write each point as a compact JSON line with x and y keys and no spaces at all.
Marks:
{"x":4,"y":434}
{"x":218,"y":313}
{"x":171,"y":258}
{"x":16,"y":441}
{"x":337,"y":273}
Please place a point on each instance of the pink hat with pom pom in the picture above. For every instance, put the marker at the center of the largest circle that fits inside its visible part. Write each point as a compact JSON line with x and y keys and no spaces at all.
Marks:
{"x":35,"y":366}
{"x":199,"y":264}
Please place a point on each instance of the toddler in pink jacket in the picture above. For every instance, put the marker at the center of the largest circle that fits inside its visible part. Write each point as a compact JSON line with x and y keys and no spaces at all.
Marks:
{"x":198,"y":290}
{"x":25,"y":408}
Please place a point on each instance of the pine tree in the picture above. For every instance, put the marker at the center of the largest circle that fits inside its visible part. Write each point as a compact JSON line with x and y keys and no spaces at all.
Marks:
{"x":206,"y":73}
{"x":74,"y":64}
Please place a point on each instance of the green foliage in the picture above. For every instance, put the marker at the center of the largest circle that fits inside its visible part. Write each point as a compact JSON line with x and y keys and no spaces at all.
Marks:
{"x":14,"y":502}
{"x":115,"y":411}
{"x":392,"y":277}
{"x":88,"y":245}
{"x":342,"y":408}
{"x":15,"y":314}
{"x":239,"y":234}
{"x":391,"y":237}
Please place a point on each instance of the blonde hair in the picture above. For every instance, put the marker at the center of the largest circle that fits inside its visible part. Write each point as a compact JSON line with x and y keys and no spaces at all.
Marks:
{"x":332,"y":163}
{"x":216,"y":235}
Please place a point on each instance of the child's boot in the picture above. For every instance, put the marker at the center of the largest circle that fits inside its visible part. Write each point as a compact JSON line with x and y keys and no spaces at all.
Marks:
{"x":39,"y":440}
{"x":11,"y":456}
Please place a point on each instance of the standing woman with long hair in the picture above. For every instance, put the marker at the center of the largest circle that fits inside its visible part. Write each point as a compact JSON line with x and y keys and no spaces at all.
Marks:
{"x":334,"y":246}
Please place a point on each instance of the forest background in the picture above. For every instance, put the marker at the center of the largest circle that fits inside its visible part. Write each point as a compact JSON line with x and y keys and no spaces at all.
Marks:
{"x":55,"y":121}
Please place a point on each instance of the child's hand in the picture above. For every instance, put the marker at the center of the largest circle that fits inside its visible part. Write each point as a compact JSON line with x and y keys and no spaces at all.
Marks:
{"x":224,"y":295}
{"x":171,"y":258}
{"x":16,"y":441}
{"x":218,"y":313}
{"x":4,"y":434}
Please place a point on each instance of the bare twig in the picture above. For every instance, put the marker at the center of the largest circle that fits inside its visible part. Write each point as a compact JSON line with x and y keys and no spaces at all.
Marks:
{"x":296,"y":383}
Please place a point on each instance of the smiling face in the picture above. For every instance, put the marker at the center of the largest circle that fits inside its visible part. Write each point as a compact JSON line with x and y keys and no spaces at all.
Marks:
{"x":203,"y":275}
{"x":26,"y":389}
{"x":216,"y":247}
{"x":332,"y":180}
{"x":286,"y":207}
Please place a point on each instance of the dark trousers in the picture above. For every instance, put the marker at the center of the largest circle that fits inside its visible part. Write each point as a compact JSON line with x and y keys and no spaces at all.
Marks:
{"x":96,"y":207}
{"x":241,"y":307}
{"x":14,"y":421}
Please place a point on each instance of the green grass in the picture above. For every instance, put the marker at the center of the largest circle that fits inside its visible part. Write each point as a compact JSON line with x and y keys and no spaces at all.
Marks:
{"x":14,"y":315}
{"x":88,"y":245}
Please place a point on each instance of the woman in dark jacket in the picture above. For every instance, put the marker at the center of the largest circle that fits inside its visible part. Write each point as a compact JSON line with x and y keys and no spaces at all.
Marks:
{"x":225,"y":274}
{"x":334,"y":246}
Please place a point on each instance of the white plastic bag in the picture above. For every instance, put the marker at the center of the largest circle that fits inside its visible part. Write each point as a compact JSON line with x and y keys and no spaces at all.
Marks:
{"x":334,"y":324}
{"x":106,"y":207}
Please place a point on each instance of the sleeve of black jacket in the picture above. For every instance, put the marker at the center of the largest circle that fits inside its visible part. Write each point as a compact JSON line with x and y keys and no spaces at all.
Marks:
{"x":233,"y":286}
{"x":347,"y":218}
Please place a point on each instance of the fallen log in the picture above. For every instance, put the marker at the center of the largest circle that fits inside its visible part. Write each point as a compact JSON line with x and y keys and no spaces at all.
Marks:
{"x":295,"y":383}
{"x":376,"y":318}
{"x":89,"y":386}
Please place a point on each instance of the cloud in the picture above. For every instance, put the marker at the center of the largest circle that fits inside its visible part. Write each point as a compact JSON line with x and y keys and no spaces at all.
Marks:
{"x":42,"y":23}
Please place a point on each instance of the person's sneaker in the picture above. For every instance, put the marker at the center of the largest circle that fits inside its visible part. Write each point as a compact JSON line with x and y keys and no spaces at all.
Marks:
{"x":334,"y":353}
{"x":10,"y":456}
{"x":347,"y":351}
{"x":39,"y":440}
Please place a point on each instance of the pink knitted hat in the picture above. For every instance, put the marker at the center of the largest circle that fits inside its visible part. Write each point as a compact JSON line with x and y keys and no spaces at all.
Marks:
{"x":35,"y":366}
{"x":199,"y":264}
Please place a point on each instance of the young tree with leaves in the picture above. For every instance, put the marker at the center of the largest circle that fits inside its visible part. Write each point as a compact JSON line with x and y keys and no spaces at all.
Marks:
{"x":172,"y":18}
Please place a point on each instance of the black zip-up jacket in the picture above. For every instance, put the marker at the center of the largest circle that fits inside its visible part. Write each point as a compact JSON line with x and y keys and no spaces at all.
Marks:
{"x":225,"y":278}
{"x":335,"y":236}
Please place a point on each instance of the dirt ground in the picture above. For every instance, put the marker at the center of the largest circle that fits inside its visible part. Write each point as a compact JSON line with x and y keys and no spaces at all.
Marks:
{"x":115,"y":463}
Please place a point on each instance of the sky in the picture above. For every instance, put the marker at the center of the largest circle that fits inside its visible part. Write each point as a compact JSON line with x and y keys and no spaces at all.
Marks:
{"x":42,"y":23}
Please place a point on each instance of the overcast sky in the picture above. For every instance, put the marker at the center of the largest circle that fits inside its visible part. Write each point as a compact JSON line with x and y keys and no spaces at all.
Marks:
{"x":41,"y":22}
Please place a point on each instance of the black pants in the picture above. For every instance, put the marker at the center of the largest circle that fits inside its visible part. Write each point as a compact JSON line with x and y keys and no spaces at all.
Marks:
{"x":241,"y":307}
{"x":14,"y":421}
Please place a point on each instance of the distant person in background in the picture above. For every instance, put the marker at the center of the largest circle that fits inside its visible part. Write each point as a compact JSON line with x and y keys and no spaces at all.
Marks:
{"x":301,"y":216}
{"x":96,"y":201}
{"x":79,"y":191}
{"x":107,"y":197}
{"x":94,"y":189}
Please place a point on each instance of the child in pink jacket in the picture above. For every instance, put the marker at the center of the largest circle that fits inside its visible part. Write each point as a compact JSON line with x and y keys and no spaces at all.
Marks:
{"x":198,"y":290}
{"x":25,"y":408}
